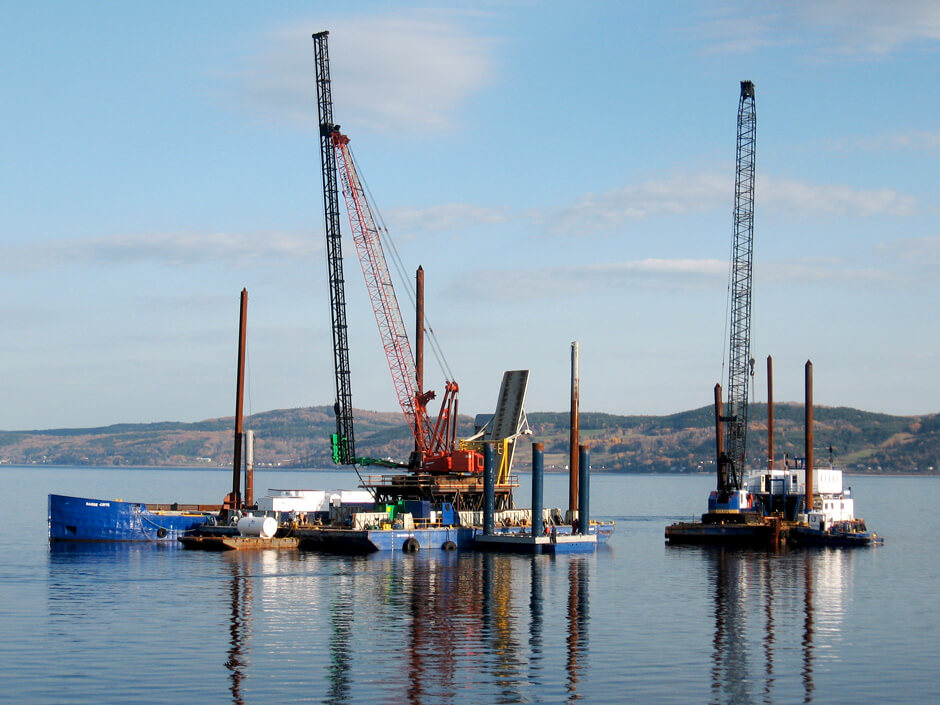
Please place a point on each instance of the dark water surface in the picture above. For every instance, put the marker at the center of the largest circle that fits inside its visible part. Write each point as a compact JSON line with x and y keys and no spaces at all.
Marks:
{"x":638,"y":622}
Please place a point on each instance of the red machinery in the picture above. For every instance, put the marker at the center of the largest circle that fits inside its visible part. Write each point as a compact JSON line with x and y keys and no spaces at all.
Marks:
{"x":435,"y":442}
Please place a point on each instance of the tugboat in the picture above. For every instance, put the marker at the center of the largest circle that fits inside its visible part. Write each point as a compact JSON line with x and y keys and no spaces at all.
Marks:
{"x":830,"y":522}
{"x":777,"y":506}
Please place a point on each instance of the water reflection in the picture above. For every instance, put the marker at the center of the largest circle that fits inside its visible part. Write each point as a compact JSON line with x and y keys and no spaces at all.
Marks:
{"x":772,"y":604}
{"x":769,"y":636}
{"x":536,"y":610}
{"x":456,"y":618}
{"x":240,"y":611}
{"x":577,"y":623}
{"x":434,"y":627}
{"x":341,"y":626}
{"x":808,"y":685}
{"x":730,"y":648}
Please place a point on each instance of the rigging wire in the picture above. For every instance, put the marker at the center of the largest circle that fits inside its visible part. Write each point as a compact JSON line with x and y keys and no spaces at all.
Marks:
{"x":402,"y":273}
{"x":326,"y":262}
{"x":724,"y":338}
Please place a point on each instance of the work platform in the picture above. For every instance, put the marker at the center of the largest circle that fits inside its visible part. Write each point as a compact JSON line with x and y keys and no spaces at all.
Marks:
{"x":237,"y":543}
{"x":526,"y":543}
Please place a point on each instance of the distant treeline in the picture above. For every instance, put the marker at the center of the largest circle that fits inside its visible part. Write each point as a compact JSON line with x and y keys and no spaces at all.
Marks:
{"x":861,"y":441}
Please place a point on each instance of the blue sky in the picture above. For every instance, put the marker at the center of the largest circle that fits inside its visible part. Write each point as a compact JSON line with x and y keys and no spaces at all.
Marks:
{"x":563,"y":171}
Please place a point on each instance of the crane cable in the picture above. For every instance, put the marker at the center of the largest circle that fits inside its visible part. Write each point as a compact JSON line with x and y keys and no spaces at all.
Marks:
{"x":400,"y":268}
{"x":724,"y":337}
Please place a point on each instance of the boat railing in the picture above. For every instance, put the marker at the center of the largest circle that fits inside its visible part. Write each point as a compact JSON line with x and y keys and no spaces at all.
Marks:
{"x":439,"y":482}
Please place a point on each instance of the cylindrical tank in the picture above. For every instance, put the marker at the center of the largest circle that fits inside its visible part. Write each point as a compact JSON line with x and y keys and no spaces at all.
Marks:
{"x":265,"y":527}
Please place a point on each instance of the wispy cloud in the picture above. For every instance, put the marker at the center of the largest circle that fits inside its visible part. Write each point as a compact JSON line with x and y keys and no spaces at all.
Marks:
{"x":685,"y":275}
{"x":390,"y":73}
{"x":170,"y":249}
{"x":685,"y":194}
{"x":450,"y":217}
{"x":825,"y":270}
{"x":673,"y":196}
{"x":801,"y":198}
{"x":873,"y":26}
{"x":554,"y":282}
{"x":731,"y":30}
{"x":925,"y":251}
{"x":847,"y":28}
{"x":912,"y":140}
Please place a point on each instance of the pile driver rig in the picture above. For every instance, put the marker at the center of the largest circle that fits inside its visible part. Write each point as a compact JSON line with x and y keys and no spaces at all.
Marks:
{"x":440,"y":468}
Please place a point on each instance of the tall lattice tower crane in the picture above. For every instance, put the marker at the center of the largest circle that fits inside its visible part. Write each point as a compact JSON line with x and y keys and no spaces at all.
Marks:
{"x":343,"y":441}
{"x":739,"y":358}
{"x":435,"y":442}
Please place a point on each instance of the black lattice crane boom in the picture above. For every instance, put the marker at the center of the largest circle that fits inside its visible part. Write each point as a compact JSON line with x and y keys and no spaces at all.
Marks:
{"x":344,"y":442}
{"x":435,"y":442}
{"x":740,"y":364}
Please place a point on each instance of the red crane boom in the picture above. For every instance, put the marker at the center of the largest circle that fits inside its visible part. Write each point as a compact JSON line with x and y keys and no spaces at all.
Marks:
{"x":434,"y":442}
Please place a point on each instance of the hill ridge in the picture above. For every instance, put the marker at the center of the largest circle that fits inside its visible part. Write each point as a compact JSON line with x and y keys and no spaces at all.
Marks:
{"x":683,"y":441}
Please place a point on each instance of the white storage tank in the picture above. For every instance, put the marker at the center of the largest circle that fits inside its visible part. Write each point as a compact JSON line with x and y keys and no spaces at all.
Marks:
{"x":263,"y":527}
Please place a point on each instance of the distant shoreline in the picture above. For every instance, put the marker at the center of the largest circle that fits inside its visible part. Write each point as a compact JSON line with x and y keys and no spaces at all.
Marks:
{"x":222,"y":468}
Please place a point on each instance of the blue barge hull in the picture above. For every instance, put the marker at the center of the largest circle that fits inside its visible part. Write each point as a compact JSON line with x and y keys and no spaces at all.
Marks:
{"x":84,"y":519}
{"x":332,"y":540}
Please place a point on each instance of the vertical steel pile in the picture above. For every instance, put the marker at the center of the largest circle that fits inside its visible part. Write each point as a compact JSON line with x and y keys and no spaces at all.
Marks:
{"x":489,"y":489}
{"x":236,"y":501}
{"x":538,"y":466}
{"x":575,"y":430}
{"x":584,"y":490}
{"x":770,"y":413}
{"x":808,"y":438}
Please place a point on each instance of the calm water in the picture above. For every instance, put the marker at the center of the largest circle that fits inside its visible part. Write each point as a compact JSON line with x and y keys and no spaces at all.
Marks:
{"x":638,"y":622}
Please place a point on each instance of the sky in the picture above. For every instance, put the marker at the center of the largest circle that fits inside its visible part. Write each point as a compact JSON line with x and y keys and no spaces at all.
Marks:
{"x":562,"y":171}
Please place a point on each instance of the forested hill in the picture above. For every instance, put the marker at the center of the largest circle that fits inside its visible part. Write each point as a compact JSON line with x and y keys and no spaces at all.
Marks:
{"x":683,"y":442}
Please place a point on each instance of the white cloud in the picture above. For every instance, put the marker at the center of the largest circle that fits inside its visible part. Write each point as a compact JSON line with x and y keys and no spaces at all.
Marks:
{"x":450,"y":217}
{"x":925,"y":251}
{"x":390,"y":73}
{"x":686,"y":194}
{"x":873,"y":26}
{"x":676,"y":196}
{"x":824,"y":270}
{"x":173,"y":249}
{"x":915,"y":140}
{"x":801,"y":198}
{"x":554,"y":282}
{"x":853,"y":28}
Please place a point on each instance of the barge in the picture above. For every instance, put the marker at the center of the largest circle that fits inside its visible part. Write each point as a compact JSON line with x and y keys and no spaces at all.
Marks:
{"x":87,"y":519}
{"x":520,"y":539}
{"x":798,"y":504}
{"x":774,"y":513}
